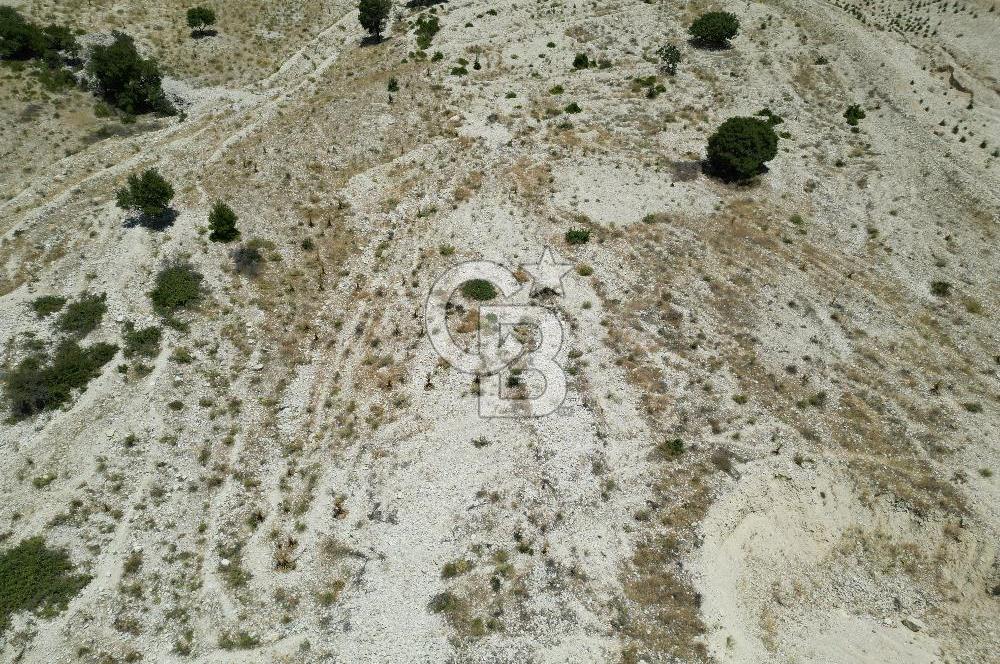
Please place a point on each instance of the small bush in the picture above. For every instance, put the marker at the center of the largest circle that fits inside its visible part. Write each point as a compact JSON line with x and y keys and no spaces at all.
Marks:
{"x":144,"y":342}
{"x":427,"y":26}
{"x":853,"y":114}
{"x":577,"y":236}
{"x":373,"y":14}
{"x":178,"y":286}
{"x":149,"y":194}
{"x":42,"y":382}
{"x":940,"y":288}
{"x":222,"y":222}
{"x":573,"y":107}
{"x":581,"y":61}
{"x":83,"y":316}
{"x":199,"y":18}
{"x":34,"y":577}
{"x":714,"y":29}
{"x":392,"y":85}
{"x":479,"y":289}
{"x":47,"y":305}
{"x":455,"y":568}
{"x":126,"y":80}
{"x":670,"y":57}
{"x":740,"y":147}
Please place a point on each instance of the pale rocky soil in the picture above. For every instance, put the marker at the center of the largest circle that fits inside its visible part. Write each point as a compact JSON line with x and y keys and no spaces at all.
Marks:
{"x":323,"y":450}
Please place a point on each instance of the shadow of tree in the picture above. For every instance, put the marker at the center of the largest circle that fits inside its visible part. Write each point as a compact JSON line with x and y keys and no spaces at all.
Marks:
{"x":158,"y":223}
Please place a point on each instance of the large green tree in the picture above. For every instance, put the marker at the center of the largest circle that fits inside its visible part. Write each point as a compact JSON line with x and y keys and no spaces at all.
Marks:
{"x":740,"y":147}
{"x":373,"y":15}
{"x":126,"y":79}
{"x":714,"y":29}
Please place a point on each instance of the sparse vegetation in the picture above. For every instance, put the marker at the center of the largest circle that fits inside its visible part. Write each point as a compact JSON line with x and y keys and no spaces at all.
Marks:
{"x":577,"y":236}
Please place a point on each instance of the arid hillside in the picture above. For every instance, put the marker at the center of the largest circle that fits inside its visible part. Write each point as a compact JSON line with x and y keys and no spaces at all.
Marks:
{"x":242,"y":441}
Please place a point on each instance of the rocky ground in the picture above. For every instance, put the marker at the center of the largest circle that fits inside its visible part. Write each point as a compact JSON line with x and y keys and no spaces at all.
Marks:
{"x":779,"y":441}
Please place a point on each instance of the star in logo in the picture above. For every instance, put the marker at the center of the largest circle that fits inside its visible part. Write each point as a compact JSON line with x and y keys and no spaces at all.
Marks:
{"x":547,"y":273}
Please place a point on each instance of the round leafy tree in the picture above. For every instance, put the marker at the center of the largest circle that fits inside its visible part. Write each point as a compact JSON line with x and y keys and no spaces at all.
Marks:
{"x":740,"y":147}
{"x":222,"y":222}
{"x":373,"y":14}
{"x":148,"y":194}
{"x":714,"y":29}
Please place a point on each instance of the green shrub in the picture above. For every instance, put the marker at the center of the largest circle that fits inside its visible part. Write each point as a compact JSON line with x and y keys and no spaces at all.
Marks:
{"x":126,"y":80}
{"x":427,"y":26}
{"x":43,"y":382}
{"x":772,"y":119}
{"x":941,"y":288}
{"x":577,"y":236}
{"x":60,"y":38}
{"x":222,"y":222}
{"x":178,"y":286}
{"x":148,"y":194}
{"x":740,"y":147}
{"x":479,"y":289}
{"x":853,"y":114}
{"x":392,"y":85}
{"x":714,"y":29}
{"x":199,"y":18}
{"x":670,"y":57}
{"x":573,"y":107}
{"x":83,"y":316}
{"x":19,"y":38}
{"x":34,"y":577}
{"x":47,"y":305}
{"x":144,"y":342}
{"x":373,"y":14}
{"x":581,"y":61}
